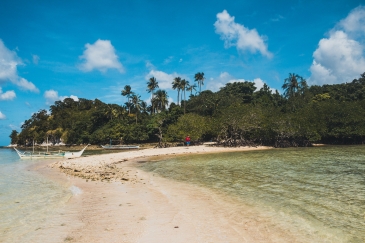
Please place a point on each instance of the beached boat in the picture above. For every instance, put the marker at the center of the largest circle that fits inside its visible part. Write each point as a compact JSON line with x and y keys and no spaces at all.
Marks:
{"x":50,"y":155}
{"x":40,"y":155}
{"x":70,"y":155}
{"x":120,"y":147}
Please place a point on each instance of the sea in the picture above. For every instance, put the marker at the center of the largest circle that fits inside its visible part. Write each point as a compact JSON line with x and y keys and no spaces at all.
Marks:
{"x":27,"y":199}
{"x":317,"y":192}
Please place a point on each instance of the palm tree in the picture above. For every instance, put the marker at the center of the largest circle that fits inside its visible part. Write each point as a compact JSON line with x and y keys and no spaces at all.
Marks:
{"x":183,"y":85}
{"x":176,"y":85}
{"x":294,"y":85}
{"x":152,"y":84}
{"x":191,"y":88}
{"x":199,"y":77}
{"x":137,"y":103}
{"x":127,"y":91}
{"x":161,"y":99}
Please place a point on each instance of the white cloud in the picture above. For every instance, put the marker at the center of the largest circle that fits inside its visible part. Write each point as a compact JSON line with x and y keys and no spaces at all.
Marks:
{"x":9,"y":61}
{"x":355,"y":21}
{"x":164,"y":79}
{"x":340,"y":57}
{"x":52,"y":96}
{"x":100,"y":56}
{"x":2,"y":116}
{"x":238,"y":35}
{"x":8,"y":95}
{"x":215,"y":84}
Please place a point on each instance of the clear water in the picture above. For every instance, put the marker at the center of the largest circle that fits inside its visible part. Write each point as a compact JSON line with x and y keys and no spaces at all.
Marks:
{"x":318,"y":192}
{"x":27,"y":199}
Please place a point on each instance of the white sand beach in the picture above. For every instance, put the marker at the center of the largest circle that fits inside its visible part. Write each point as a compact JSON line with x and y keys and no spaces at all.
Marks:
{"x":136,"y":206}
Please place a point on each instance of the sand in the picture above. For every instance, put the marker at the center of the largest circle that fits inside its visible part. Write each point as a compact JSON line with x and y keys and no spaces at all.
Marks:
{"x":117,"y":202}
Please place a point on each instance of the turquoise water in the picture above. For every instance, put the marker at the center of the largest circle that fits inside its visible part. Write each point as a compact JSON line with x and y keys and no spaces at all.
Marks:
{"x":317,"y":192}
{"x":27,"y":199}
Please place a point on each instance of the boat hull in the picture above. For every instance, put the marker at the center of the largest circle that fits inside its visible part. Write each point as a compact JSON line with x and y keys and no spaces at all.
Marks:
{"x":40,"y":155}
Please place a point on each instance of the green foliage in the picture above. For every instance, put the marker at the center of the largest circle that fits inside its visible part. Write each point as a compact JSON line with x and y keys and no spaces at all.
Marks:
{"x":13,"y":137}
{"x":237,"y":114}
{"x":190,"y":124}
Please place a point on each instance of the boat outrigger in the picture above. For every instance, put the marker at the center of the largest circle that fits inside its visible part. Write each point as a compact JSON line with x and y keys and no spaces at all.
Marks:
{"x":50,"y":155}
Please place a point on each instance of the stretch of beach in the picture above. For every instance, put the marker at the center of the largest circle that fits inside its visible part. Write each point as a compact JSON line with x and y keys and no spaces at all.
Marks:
{"x":114,"y":201}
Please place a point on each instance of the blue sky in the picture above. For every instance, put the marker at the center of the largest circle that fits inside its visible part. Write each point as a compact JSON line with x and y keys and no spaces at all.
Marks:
{"x":50,"y":50}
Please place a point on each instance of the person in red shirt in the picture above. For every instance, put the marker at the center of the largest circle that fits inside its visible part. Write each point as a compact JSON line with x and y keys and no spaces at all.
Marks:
{"x":187,"y":140}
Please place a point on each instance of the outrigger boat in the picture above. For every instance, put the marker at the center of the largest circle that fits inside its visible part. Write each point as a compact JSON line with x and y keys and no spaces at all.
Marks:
{"x":49,"y":155}
{"x":40,"y":155}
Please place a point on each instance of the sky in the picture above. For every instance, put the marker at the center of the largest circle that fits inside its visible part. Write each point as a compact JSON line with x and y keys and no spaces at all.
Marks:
{"x":51,"y":50}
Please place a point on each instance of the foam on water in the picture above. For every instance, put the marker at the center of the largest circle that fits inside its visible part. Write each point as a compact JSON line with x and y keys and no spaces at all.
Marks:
{"x":319,"y":192}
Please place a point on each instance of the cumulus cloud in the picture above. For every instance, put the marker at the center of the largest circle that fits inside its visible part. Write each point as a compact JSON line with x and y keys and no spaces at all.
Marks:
{"x":234,"y":34}
{"x":215,"y":84}
{"x":51,"y":96}
{"x":100,"y":56}
{"x":164,"y":79}
{"x":355,"y":21}
{"x":340,"y":57}
{"x":2,"y":116}
{"x":8,"y":95}
{"x":9,"y":61}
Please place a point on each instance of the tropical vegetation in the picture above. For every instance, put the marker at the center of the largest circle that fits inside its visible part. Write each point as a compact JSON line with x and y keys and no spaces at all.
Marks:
{"x":238,"y":114}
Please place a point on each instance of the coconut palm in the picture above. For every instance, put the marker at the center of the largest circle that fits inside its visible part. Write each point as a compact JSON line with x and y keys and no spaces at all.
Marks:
{"x":152,"y":84}
{"x":137,"y":104}
{"x":294,"y":85}
{"x":176,"y":85}
{"x":199,"y":77}
{"x":160,"y":100}
{"x":191,"y":88}
{"x":127,"y":91}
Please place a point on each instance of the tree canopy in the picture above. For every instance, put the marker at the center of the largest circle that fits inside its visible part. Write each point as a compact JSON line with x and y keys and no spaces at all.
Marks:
{"x":238,"y":114}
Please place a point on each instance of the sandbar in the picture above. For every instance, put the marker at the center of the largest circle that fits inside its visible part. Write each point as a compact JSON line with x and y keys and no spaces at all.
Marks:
{"x":117,"y":202}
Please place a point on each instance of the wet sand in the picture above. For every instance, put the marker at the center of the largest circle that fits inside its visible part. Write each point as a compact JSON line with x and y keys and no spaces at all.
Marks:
{"x":136,"y":206}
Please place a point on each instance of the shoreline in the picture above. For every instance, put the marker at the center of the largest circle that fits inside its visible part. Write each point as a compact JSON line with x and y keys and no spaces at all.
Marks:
{"x":105,"y":166}
{"x":144,"y":207}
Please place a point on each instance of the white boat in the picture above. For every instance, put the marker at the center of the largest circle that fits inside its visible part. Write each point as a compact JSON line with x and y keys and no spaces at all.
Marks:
{"x":40,"y":155}
{"x":120,"y":146}
{"x":70,"y":155}
{"x":50,"y":155}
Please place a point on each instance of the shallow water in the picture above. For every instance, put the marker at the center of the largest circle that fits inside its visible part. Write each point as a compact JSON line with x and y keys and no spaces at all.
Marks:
{"x":319,"y":192}
{"x":27,"y":199}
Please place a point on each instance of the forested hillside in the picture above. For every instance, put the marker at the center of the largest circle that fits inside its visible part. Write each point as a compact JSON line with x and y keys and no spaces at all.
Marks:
{"x":238,"y":114}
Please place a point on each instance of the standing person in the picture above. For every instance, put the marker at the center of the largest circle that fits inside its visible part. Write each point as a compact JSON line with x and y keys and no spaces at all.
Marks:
{"x":187,"y":140}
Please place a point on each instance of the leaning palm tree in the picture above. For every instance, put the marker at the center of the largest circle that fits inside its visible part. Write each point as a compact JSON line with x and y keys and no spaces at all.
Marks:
{"x":161,"y":100}
{"x":137,"y":103}
{"x":176,"y":85}
{"x":152,"y":84}
{"x":294,"y":85}
{"x":199,"y":77}
{"x":127,"y":91}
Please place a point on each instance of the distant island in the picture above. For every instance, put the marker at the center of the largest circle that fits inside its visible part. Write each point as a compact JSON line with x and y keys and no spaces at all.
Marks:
{"x":238,"y":114}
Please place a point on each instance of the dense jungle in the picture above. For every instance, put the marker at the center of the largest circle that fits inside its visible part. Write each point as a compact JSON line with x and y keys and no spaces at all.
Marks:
{"x":238,"y":114}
